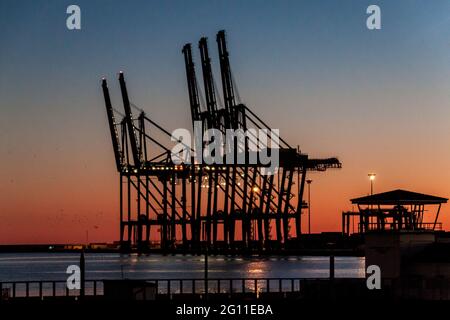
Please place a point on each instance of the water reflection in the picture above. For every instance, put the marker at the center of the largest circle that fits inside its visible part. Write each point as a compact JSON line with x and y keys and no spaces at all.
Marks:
{"x":43,"y":266}
{"x":257,"y":269}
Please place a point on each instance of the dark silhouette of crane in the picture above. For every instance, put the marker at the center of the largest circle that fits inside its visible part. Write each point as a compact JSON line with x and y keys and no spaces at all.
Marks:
{"x":225,"y":207}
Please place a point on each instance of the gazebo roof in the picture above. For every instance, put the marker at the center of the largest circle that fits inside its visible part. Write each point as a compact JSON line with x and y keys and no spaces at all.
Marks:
{"x":399,"y":197}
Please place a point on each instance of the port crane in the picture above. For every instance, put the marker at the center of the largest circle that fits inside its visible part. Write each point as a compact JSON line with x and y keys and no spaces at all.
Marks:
{"x":192,"y":206}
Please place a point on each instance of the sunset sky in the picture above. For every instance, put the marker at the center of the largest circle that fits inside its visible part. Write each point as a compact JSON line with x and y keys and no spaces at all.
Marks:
{"x":377,"y":99}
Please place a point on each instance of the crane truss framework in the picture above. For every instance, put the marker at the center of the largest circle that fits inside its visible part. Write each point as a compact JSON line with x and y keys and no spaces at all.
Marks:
{"x":194,"y":206}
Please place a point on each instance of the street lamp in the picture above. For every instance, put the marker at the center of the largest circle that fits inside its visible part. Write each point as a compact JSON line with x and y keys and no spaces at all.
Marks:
{"x":309,"y":205}
{"x":372,"y":179}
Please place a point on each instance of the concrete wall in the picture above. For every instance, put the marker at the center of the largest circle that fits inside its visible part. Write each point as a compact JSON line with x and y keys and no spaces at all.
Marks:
{"x":389,"y":249}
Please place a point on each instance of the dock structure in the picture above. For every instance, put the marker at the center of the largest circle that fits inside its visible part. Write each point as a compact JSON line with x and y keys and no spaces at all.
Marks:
{"x":394,"y":210}
{"x":192,"y":205}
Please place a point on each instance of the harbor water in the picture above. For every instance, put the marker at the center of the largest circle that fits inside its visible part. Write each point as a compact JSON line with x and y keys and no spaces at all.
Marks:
{"x":100,"y":266}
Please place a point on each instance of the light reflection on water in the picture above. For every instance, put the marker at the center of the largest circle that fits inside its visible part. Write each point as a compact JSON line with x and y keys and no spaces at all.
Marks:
{"x":45,"y":266}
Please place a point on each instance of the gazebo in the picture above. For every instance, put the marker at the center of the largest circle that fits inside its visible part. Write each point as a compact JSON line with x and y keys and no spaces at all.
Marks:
{"x":394,"y":210}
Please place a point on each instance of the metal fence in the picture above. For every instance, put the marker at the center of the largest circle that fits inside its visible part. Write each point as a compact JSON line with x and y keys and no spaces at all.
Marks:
{"x":168,"y":287}
{"x":151,"y":289}
{"x":29,"y":289}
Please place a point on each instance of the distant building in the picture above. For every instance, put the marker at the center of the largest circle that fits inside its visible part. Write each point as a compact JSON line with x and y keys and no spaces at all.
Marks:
{"x":401,"y":236}
{"x":393,"y":210}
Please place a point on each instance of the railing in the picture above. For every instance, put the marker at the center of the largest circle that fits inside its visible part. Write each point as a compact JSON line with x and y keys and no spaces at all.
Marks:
{"x":41,"y":289}
{"x":240,"y":288}
{"x":394,"y":226}
{"x":167,"y":287}
{"x":230,"y":285}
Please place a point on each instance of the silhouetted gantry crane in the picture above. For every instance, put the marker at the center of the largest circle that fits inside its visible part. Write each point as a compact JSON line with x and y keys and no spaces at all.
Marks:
{"x":192,"y":206}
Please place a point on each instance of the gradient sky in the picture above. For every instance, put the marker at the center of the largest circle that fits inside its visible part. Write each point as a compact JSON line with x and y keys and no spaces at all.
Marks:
{"x":379,"y":100}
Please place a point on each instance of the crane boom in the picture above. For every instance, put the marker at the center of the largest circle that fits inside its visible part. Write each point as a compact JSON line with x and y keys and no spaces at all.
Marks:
{"x":129,"y":121}
{"x":208,"y":81}
{"x":112,"y":126}
{"x":192,"y":83}
{"x":225,"y":71}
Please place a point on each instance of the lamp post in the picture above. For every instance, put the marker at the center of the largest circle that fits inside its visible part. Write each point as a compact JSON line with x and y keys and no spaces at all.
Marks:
{"x":372,"y":179}
{"x":309,"y":205}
